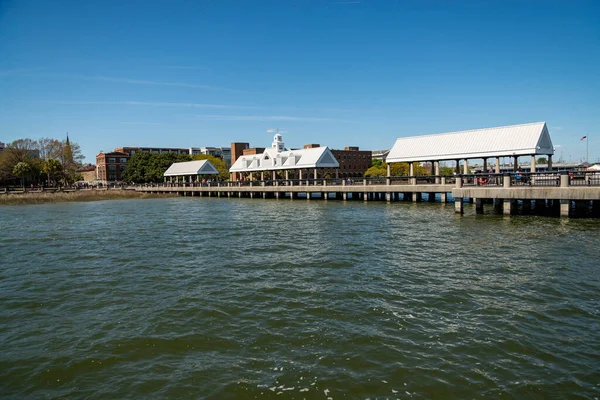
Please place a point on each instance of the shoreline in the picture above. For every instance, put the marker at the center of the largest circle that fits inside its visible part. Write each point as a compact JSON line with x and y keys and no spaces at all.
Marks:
{"x":19,"y":198}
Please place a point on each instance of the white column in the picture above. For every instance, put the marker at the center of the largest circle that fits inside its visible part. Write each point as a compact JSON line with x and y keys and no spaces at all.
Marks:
{"x":497,"y":165}
{"x":533,"y":163}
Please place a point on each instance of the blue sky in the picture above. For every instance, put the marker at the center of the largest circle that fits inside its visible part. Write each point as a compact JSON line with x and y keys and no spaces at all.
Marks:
{"x":346,"y":72}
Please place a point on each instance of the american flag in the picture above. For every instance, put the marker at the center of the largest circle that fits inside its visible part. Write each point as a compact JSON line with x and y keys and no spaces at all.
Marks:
{"x":583,"y":138}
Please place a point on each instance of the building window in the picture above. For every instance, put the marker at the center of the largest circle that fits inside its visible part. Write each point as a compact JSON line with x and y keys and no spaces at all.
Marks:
{"x":122,"y":168}
{"x":123,"y":160}
{"x":132,"y":152}
{"x":112,"y":167}
{"x":112,"y":159}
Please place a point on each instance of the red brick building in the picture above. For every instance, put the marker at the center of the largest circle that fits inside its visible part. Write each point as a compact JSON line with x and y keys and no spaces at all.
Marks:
{"x":110,"y":166}
{"x":353,"y":161}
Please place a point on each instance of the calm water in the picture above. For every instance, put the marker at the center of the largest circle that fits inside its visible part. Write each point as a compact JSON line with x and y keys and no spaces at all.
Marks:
{"x":208,"y":298}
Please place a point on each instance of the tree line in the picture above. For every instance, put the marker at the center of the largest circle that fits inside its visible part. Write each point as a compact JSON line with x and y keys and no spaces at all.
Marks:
{"x":44,"y":161}
{"x":379,"y":168}
{"x":145,"y":167}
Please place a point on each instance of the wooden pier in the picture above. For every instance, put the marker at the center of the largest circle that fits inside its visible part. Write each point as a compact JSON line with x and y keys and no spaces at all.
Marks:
{"x":548,"y":193}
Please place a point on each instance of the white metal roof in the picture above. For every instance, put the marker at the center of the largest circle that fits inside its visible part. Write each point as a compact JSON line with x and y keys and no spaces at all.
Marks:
{"x":270,"y":160}
{"x":503,"y":141}
{"x":199,"y":167}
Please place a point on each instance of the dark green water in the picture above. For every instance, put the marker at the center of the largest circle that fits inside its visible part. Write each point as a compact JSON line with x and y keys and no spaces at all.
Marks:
{"x":208,"y":298}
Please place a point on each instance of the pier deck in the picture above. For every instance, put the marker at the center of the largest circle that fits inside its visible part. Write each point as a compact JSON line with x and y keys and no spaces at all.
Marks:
{"x":557,"y":191}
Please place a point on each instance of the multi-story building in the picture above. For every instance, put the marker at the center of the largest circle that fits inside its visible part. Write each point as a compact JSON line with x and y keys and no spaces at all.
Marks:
{"x":153,"y":150}
{"x":2,"y":146}
{"x":380,"y":154}
{"x":110,"y":166}
{"x":353,"y":161}
{"x":224,"y":153}
{"x":237,"y":150}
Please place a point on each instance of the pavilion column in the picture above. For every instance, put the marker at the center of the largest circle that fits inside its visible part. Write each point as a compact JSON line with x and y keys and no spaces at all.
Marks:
{"x":466,"y":167}
{"x":411,"y":169}
{"x":287,"y":174}
{"x":337,"y":173}
{"x":165,"y":180}
{"x":533,"y":166}
{"x":457,"y":169}
{"x":515,"y":163}
{"x":497,"y":165}
{"x":315,"y":176}
{"x":549,"y":162}
{"x":485,"y":168}
{"x":388,"y":179}
{"x":300,"y":174}
{"x":436,"y":171}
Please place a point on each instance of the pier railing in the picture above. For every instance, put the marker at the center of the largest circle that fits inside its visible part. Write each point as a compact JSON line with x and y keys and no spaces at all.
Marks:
{"x":545,"y":179}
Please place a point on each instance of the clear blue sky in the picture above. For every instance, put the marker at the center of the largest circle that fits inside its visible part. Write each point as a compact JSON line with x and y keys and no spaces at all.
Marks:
{"x":335,"y":72}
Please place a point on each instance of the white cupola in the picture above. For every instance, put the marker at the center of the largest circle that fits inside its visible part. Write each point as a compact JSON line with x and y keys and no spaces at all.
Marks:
{"x":278,"y":144}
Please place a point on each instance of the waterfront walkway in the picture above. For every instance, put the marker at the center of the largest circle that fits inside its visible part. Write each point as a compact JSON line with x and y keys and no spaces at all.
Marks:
{"x":564,"y":193}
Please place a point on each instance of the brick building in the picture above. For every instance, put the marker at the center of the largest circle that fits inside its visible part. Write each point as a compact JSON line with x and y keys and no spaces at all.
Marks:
{"x":237,"y":150}
{"x":253,"y":151}
{"x":110,"y":166}
{"x":353,"y":161}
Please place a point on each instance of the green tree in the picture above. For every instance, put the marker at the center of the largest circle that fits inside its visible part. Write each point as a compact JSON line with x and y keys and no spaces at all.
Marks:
{"x":542,"y":160}
{"x":446,"y":171}
{"x":149,"y":168}
{"x":21,"y":169}
{"x":376,"y":170}
{"x":53,"y":169}
{"x":136,"y":168}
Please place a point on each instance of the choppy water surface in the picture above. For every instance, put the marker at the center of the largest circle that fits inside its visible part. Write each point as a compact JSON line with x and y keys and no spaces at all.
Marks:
{"x":209,"y":298}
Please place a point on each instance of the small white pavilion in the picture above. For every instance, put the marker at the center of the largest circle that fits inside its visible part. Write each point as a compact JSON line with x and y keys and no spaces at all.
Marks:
{"x":505,"y":141}
{"x":190,"y":171}
{"x":277,"y":158}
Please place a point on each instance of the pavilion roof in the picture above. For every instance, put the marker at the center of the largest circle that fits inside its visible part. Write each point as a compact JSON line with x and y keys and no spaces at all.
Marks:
{"x":270,"y":160}
{"x":503,"y":141}
{"x":198,"y":167}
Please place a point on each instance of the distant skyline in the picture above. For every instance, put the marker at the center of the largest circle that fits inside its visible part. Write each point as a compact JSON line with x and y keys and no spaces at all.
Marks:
{"x":338,"y":73}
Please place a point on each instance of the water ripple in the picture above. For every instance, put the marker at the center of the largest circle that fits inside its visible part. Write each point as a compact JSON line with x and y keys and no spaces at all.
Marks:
{"x":208,"y":298}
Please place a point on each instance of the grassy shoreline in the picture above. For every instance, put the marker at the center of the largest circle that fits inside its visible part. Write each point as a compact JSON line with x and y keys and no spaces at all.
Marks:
{"x":18,"y":198}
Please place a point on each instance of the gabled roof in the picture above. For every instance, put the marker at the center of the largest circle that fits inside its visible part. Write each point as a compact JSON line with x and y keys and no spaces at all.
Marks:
{"x":199,"y":167}
{"x":504,"y":141}
{"x":270,"y":160}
